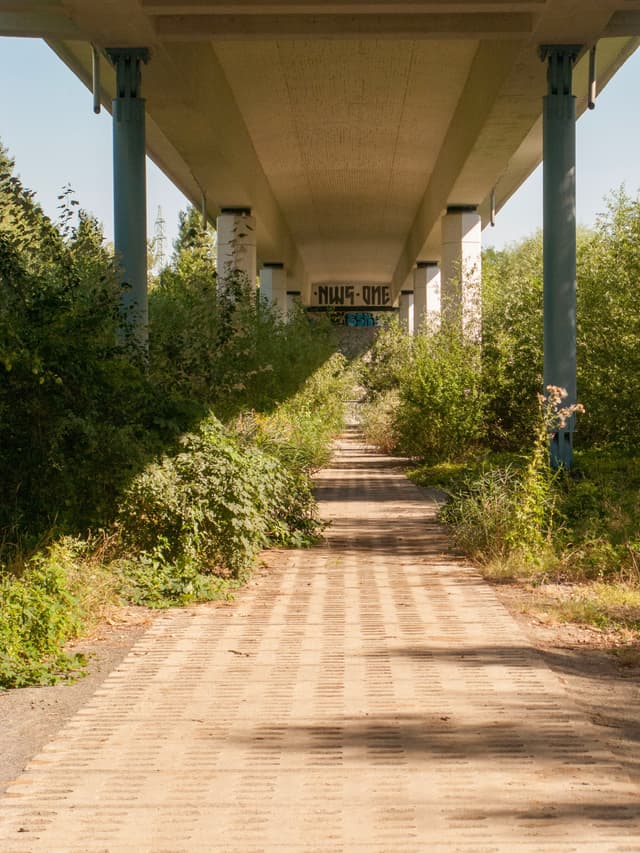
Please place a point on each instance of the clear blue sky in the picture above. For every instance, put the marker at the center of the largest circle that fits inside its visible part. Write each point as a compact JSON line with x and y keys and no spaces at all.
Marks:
{"x":47,"y":123}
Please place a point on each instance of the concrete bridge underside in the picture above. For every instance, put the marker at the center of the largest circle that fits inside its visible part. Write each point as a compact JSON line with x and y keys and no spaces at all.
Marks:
{"x":348,"y":128}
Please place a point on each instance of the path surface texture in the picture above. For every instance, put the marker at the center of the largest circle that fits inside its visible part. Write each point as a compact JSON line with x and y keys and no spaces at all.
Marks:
{"x":371,"y":694}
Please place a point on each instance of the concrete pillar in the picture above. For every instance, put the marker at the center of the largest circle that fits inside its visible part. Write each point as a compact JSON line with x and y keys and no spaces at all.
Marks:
{"x":236,"y":229}
{"x":462,"y":269}
{"x":406,"y":310}
{"x":559,"y":236}
{"x":426,"y":294}
{"x":273,"y":285}
{"x":130,"y":184}
{"x":293,"y":300}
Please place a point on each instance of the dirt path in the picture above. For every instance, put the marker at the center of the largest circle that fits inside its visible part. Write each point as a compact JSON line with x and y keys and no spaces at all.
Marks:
{"x":371,"y":694}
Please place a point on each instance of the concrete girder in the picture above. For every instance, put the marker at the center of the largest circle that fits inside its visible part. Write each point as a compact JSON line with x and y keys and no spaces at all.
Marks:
{"x":214,"y":143}
{"x":498,"y":25}
{"x":32,"y":24}
{"x":410,"y":126}
{"x":334,"y":7}
{"x":611,"y":54}
{"x":492,"y":162}
{"x":489,"y":70}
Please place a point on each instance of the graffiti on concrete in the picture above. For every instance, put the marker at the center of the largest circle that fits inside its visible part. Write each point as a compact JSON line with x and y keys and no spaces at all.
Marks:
{"x":353,"y":295}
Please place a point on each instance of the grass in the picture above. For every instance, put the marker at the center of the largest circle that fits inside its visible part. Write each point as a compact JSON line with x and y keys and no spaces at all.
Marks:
{"x":609,"y":607}
{"x":584,"y":557}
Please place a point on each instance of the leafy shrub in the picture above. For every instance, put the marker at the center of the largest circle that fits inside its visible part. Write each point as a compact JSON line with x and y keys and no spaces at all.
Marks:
{"x":378,"y":421}
{"x":38,"y":614}
{"x":216,"y":503}
{"x":77,"y":413}
{"x":512,"y":322}
{"x":608,"y":327}
{"x":386,"y":361}
{"x":155,"y":580}
{"x":226,"y":350}
{"x":299,"y":431}
{"x":510,"y":511}
{"x":441,"y":412}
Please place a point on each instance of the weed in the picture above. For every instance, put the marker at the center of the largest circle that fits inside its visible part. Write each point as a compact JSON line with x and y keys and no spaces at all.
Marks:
{"x":155,"y":580}
{"x":378,"y":421}
{"x":38,"y":615}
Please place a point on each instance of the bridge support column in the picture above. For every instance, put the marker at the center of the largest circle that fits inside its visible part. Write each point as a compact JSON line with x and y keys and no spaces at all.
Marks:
{"x":294,"y":299}
{"x":462,"y":269}
{"x":426,"y":294}
{"x":273,"y":285}
{"x":559,"y":236}
{"x":406,"y":310}
{"x":130,"y":185}
{"x":236,"y":230}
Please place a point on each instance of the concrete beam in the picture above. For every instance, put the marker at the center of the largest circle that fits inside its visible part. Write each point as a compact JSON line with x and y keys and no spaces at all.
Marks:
{"x":31,"y":24}
{"x":490,"y":68}
{"x":499,"y":25}
{"x":625,"y":23}
{"x":334,"y":7}
{"x":197,"y":137}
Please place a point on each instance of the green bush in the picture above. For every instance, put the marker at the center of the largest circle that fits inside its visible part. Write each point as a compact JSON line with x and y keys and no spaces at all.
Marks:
{"x":226,"y":350}
{"x":386,"y":361}
{"x":78,"y":415}
{"x":378,"y":420}
{"x":440,"y":414}
{"x":608,"y":328}
{"x":216,"y":503}
{"x":423,"y":394}
{"x":512,"y":323}
{"x":299,"y":431}
{"x":38,"y":614}
{"x":154,"y":580}
{"x":82,"y":409}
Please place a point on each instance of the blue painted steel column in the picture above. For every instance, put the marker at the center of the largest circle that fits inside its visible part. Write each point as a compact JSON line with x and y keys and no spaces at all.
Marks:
{"x":559,"y":190}
{"x":130,"y":185}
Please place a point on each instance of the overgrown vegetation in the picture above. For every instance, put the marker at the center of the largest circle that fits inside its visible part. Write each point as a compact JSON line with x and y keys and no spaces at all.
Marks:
{"x":154,"y":478}
{"x":468,"y":415}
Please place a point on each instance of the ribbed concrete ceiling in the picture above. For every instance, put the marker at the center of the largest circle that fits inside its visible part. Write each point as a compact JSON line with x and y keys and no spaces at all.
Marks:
{"x":347,"y":126}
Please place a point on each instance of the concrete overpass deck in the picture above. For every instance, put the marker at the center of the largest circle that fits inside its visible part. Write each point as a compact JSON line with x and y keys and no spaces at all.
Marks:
{"x":349,"y":147}
{"x":348,"y":128}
